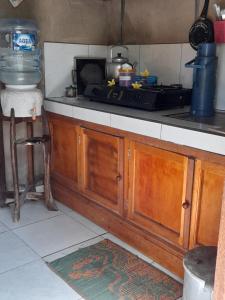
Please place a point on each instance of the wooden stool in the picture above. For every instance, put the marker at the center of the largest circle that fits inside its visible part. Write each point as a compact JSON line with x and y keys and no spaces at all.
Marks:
{"x":29,"y":193}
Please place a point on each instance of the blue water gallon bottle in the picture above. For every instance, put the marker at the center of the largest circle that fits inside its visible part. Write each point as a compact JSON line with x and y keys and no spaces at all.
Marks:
{"x":204,"y":80}
{"x":19,"y":52}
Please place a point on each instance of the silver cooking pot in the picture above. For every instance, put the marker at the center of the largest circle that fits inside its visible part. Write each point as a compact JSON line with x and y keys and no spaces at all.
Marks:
{"x":116,"y":63}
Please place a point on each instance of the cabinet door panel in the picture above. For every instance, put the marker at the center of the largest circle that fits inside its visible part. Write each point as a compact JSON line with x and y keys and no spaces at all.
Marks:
{"x":207,"y":201}
{"x":157,"y":190}
{"x":64,"y":162}
{"x":102,"y":168}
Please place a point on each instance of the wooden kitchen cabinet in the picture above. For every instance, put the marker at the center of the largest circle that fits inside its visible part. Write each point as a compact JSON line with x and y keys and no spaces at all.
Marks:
{"x":159,"y":197}
{"x":65,"y":152}
{"x":102,"y":168}
{"x":207,"y":201}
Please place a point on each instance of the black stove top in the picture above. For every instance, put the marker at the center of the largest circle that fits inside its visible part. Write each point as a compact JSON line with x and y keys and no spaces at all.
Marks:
{"x":152,"y":98}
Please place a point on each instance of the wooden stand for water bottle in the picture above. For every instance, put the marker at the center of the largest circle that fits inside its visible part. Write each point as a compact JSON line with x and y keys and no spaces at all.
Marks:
{"x":29,"y":142}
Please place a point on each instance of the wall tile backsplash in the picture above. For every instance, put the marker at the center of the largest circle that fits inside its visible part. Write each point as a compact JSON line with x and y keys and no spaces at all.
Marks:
{"x":186,"y":74}
{"x":58,"y":66}
{"x":98,"y":51}
{"x":162,"y":61}
{"x":167,"y":61}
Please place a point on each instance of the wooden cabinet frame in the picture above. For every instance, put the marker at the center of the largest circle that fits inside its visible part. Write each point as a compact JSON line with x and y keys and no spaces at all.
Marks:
{"x":145,"y":221}
{"x":115,"y":142}
{"x":73,"y":170}
{"x":203,"y":210}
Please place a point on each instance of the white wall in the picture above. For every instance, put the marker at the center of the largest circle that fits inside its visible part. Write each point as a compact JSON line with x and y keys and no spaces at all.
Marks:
{"x":167,"y":61}
{"x":59,"y":64}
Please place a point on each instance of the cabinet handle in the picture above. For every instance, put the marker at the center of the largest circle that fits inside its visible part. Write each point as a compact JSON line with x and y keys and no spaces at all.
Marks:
{"x":118,"y":177}
{"x":186,"y":205}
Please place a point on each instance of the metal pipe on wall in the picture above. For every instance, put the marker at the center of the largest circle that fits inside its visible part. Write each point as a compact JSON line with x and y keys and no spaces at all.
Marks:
{"x":122,"y":15}
{"x":197,"y":6}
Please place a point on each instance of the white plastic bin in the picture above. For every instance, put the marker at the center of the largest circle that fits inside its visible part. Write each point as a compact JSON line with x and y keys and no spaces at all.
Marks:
{"x":199,"y":267}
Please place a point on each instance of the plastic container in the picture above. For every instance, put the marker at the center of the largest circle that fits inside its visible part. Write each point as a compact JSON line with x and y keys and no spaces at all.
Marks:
{"x":219,"y":30}
{"x":220,"y":90}
{"x":126,"y":78}
{"x":149,"y":80}
{"x":19,"y":52}
{"x":152,"y":80}
{"x":204,"y":80}
{"x":26,"y":101}
{"x":199,"y":267}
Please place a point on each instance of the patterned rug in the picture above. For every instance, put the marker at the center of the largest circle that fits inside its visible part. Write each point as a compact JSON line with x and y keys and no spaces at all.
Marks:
{"x":105,"y":271}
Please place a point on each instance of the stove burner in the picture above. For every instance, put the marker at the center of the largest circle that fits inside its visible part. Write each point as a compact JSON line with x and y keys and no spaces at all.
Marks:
{"x":150,"y":98}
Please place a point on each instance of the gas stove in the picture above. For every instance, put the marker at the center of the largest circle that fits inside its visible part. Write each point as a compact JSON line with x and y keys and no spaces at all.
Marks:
{"x":151,"y":98}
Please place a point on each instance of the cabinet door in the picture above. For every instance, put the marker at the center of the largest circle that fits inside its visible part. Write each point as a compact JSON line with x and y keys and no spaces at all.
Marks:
{"x":64,"y":159}
{"x":102,"y":168}
{"x":160,"y":192}
{"x":207,"y":201}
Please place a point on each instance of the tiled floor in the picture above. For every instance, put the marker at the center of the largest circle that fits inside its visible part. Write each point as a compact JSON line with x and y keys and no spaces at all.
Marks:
{"x":42,"y":236}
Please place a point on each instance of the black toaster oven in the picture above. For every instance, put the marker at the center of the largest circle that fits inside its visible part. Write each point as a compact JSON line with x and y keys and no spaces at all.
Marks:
{"x":88,"y":70}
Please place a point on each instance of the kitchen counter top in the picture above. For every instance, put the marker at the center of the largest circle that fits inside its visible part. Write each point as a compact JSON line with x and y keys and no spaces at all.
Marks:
{"x":168,"y":117}
{"x":209,"y":134}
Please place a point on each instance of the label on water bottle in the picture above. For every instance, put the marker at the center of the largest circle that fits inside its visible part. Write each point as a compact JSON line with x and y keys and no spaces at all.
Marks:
{"x":24,"y":42}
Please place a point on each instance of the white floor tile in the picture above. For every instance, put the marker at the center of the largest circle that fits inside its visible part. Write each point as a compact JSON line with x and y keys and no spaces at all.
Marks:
{"x":87,"y":223}
{"x":14,"y":252}
{"x":3,"y":228}
{"x":34,"y":281}
{"x":54,"y":234}
{"x":31,"y":212}
{"x":74,"y":248}
{"x":79,"y":218}
{"x":127,"y":247}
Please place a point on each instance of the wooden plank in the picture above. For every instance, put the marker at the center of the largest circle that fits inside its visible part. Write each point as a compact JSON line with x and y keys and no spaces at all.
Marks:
{"x":186,"y":220}
{"x":219,"y":287}
{"x":102,"y":167}
{"x":206,"y":208}
{"x":34,"y":196}
{"x":30,"y":155}
{"x":157,"y":190}
{"x":13,"y":150}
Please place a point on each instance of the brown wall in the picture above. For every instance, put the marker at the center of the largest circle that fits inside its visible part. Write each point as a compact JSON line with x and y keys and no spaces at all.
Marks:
{"x":72,"y":21}
{"x":7,"y":10}
{"x":154,"y":21}
{"x":97,"y":21}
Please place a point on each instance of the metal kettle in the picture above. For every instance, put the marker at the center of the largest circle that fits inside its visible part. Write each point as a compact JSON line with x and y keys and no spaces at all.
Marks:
{"x":116,"y":63}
